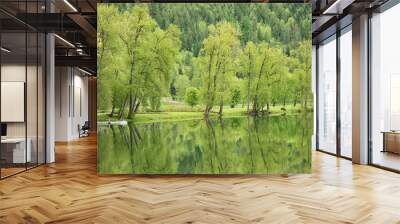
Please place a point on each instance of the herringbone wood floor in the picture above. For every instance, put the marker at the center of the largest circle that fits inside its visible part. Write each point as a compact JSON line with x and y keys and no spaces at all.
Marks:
{"x":69,"y":191}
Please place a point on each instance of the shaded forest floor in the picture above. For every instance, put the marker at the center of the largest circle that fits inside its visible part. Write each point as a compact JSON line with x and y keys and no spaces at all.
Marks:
{"x":169,"y":113}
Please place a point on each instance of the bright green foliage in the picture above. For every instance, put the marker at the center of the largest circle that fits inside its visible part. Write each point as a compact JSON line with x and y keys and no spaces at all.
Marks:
{"x":235,"y":97}
{"x":303,"y":71}
{"x":281,"y":23}
{"x":218,"y":56}
{"x":256,"y":55}
{"x":141,"y":56}
{"x":105,"y":42}
{"x":181,"y":84}
{"x":192,"y":96}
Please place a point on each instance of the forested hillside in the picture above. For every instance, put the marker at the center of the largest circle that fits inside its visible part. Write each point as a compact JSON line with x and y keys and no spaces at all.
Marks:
{"x":283,"y":25}
{"x":203,"y":57}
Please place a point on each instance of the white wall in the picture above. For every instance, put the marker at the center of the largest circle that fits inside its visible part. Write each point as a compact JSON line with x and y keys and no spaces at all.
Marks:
{"x":33,"y":126}
{"x":71,"y":102}
{"x":12,"y":73}
{"x":62,"y":82}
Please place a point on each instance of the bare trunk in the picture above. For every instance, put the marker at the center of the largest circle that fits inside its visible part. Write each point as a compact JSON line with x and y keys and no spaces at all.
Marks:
{"x":131,"y":106}
{"x":136,"y":107}
{"x":255,"y":109}
{"x":221,"y":108}
{"x":248,"y":84}
{"x":122,"y":109}
{"x":112,"y":111}
{"x":207,"y":110}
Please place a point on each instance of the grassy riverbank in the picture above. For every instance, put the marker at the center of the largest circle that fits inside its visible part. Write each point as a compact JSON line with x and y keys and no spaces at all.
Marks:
{"x":170,"y":114}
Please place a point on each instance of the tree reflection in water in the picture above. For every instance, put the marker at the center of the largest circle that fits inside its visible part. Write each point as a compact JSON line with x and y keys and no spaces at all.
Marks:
{"x":240,"y":145}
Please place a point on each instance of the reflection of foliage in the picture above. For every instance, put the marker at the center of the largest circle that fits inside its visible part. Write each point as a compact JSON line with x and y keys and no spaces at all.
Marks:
{"x":235,"y":145}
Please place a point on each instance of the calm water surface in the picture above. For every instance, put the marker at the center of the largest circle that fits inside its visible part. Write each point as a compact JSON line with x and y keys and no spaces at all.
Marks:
{"x":241,"y":145}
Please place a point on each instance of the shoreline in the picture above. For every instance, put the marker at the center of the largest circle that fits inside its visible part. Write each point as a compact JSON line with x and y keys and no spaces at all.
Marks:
{"x":156,"y":117}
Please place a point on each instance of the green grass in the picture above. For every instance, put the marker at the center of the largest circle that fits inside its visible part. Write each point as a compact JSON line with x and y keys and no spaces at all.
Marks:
{"x":172,"y":113}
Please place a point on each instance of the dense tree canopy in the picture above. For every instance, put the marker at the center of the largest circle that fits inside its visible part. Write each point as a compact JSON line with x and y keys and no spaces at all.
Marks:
{"x":278,"y":24}
{"x":209,"y":55}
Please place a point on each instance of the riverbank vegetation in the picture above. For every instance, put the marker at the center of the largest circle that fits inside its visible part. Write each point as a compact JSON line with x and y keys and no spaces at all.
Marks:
{"x":202,"y":60}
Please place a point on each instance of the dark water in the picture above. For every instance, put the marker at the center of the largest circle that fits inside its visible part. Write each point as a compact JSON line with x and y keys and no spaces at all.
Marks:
{"x":243,"y":145}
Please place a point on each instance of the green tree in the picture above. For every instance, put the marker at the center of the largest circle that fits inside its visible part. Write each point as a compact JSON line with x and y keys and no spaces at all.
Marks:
{"x":256,"y":54}
{"x":303,"y":71}
{"x":161,"y":54}
{"x":235,"y":97}
{"x":218,"y":54}
{"x":192,"y":96}
{"x":271,"y":67}
{"x":181,"y":84}
{"x":106,"y":41}
{"x":147,"y":53}
{"x":247,"y":65}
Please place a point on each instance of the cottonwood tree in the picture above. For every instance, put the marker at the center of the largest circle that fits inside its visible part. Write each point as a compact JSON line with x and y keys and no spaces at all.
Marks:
{"x":247,"y":65}
{"x":106,"y":42}
{"x":263,"y":66}
{"x":303,"y":71}
{"x":135,"y":26}
{"x":229,"y":53}
{"x":218,"y":59}
{"x":151,"y":56}
{"x":162,"y":56}
{"x":192,"y":96}
{"x":271,"y":66}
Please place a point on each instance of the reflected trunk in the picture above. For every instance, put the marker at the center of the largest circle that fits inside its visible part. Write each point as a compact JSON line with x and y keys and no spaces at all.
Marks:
{"x":239,"y":145}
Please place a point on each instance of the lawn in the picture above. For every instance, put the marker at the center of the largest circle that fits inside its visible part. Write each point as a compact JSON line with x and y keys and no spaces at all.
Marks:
{"x":173,"y":112}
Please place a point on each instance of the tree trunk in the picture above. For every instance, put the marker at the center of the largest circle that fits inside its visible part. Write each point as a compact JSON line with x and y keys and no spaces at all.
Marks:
{"x":255,"y":106}
{"x":221,"y":107}
{"x":136,"y":107}
{"x":130,"y":106}
{"x":112,"y":111}
{"x":258,"y":85}
{"x":122,"y":109}
{"x":207,"y":110}
{"x":130,"y":86}
{"x":248,"y":84}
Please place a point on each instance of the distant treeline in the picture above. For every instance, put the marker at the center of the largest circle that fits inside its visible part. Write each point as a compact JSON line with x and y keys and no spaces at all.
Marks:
{"x":203,"y":54}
